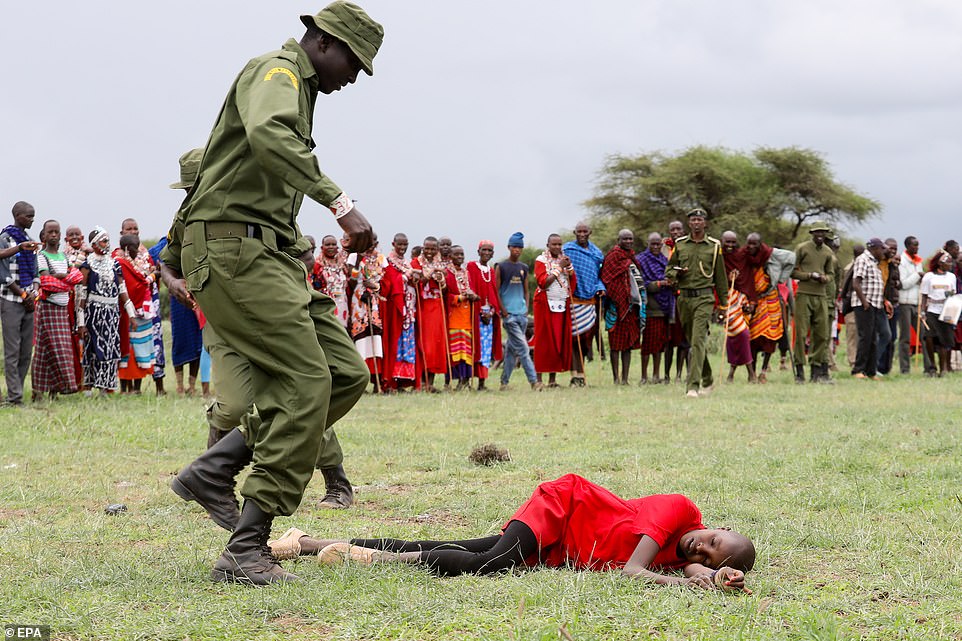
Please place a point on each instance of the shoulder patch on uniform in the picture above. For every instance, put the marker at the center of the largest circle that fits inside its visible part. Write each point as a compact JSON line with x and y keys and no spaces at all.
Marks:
{"x":685,"y":237}
{"x":284,"y":70}
{"x":713,"y":240}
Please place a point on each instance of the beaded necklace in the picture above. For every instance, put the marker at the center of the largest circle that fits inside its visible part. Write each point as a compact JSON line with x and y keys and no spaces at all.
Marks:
{"x":485,"y":272}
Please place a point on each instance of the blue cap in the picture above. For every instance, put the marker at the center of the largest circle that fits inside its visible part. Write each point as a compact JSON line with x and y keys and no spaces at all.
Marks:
{"x":516,"y":240}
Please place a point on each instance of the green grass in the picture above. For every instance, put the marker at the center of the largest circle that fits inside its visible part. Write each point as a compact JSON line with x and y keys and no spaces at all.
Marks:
{"x":851,"y":493}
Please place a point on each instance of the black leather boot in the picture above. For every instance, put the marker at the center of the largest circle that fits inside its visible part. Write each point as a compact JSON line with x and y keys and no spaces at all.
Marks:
{"x":209,"y":480}
{"x":800,"y":374}
{"x":340,"y":493}
{"x":823,"y":376}
{"x":247,"y":558}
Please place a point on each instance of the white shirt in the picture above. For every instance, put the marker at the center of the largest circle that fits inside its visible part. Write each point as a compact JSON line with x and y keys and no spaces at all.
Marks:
{"x":937,"y":287}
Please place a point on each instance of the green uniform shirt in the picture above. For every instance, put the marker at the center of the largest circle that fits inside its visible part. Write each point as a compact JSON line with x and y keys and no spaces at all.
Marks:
{"x":706,"y":267}
{"x":258,"y":164}
{"x":811,"y":258}
{"x":833,"y":287}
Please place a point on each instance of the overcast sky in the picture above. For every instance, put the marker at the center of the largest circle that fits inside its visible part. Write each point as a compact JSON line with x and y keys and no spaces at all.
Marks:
{"x":490,"y":117}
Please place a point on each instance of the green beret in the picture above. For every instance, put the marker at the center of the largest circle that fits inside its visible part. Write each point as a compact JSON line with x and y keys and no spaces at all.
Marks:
{"x":351,"y":25}
{"x":818,"y":225}
{"x":189,"y":166}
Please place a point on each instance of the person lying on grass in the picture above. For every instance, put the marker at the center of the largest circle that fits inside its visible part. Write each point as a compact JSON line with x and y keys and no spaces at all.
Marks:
{"x":568,"y":522}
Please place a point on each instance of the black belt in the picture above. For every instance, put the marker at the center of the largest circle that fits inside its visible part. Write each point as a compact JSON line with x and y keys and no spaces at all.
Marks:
{"x":696,"y":293}
{"x":215,"y":230}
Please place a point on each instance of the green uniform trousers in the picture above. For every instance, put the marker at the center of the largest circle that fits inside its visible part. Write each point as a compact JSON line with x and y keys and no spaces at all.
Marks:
{"x":811,"y":314}
{"x":232,"y":405}
{"x":258,"y":301}
{"x":695,"y":314}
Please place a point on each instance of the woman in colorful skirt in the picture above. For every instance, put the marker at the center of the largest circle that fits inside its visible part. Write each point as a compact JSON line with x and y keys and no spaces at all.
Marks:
{"x":139,"y":360}
{"x":461,"y":300}
{"x":98,"y":313}
{"x":53,"y":357}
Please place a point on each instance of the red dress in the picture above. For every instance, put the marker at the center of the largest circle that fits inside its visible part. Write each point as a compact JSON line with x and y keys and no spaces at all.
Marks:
{"x":484,"y":286}
{"x":431,"y":324}
{"x":584,"y":525}
{"x":552,"y":330}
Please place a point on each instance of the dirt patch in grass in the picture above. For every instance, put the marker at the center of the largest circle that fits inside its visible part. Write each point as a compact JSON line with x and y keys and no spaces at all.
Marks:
{"x":299,"y":627}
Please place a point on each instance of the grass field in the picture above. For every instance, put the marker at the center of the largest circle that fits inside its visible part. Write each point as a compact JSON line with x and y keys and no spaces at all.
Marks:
{"x":851,"y":493}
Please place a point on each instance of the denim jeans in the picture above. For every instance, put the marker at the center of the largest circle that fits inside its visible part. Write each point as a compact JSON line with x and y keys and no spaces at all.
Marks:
{"x":515,"y":326}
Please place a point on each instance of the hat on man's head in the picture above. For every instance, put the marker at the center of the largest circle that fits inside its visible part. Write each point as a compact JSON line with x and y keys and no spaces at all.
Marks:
{"x":189,"y":166}
{"x":819,"y":225}
{"x":516,"y":240}
{"x":697,"y":211}
{"x":351,"y":25}
{"x":874,"y":242}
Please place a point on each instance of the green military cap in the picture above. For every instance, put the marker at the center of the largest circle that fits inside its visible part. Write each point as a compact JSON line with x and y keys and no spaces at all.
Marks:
{"x":189,"y":166}
{"x":819,"y":225}
{"x":697,"y":211}
{"x":351,"y":25}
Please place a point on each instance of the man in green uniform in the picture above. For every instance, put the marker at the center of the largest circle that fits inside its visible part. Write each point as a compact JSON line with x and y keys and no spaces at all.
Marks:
{"x":697,"y":269}
{"x":230,"y":372}
{"x":240,"y":214}
{"x":814,"y":271}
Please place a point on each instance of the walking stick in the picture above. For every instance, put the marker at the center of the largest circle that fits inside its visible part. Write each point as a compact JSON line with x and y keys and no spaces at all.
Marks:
{"x":918,"y":331}
{"x":581,"y":356}
{"x":598,"y":318}
{"x":474,"y":357}
{"x":728,"y":298}
{"x":370,"y":331}
{"x":447,"y":337}
{"x":419,"y":339}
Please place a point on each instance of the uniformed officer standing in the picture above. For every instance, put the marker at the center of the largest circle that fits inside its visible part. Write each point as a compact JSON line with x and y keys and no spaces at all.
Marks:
{"x":814,"y":271}
{"x":239,"y":216}
{"x":697,"y":269}
{"x":231,"y":378}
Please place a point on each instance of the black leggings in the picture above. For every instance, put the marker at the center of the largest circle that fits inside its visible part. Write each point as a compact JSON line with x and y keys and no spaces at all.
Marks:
{"x":473,"y":556}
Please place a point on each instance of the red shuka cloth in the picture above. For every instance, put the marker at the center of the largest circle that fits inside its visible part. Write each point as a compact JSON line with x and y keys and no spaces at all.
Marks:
{"x":615,"y":274}
{"x":432,"y":341}
{"x":138,"y":291}
{"x":489,"y":296}
{"x":579,"y":523}
{"x":552,"y":330}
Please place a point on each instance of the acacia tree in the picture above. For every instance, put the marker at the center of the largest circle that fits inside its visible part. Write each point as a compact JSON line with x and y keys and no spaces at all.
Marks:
{"x":773,"y":192}
{"x":805,"y":189}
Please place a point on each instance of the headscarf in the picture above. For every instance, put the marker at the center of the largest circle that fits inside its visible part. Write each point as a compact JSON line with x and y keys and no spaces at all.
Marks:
{"x":99,"y":234}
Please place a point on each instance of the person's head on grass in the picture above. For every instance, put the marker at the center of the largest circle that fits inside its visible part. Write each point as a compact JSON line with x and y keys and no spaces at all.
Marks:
{"x":716,"y":548}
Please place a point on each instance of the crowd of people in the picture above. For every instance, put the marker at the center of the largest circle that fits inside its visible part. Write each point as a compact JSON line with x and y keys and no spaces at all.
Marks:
{"x":80,"y":316}
{"x":89,"y":318}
